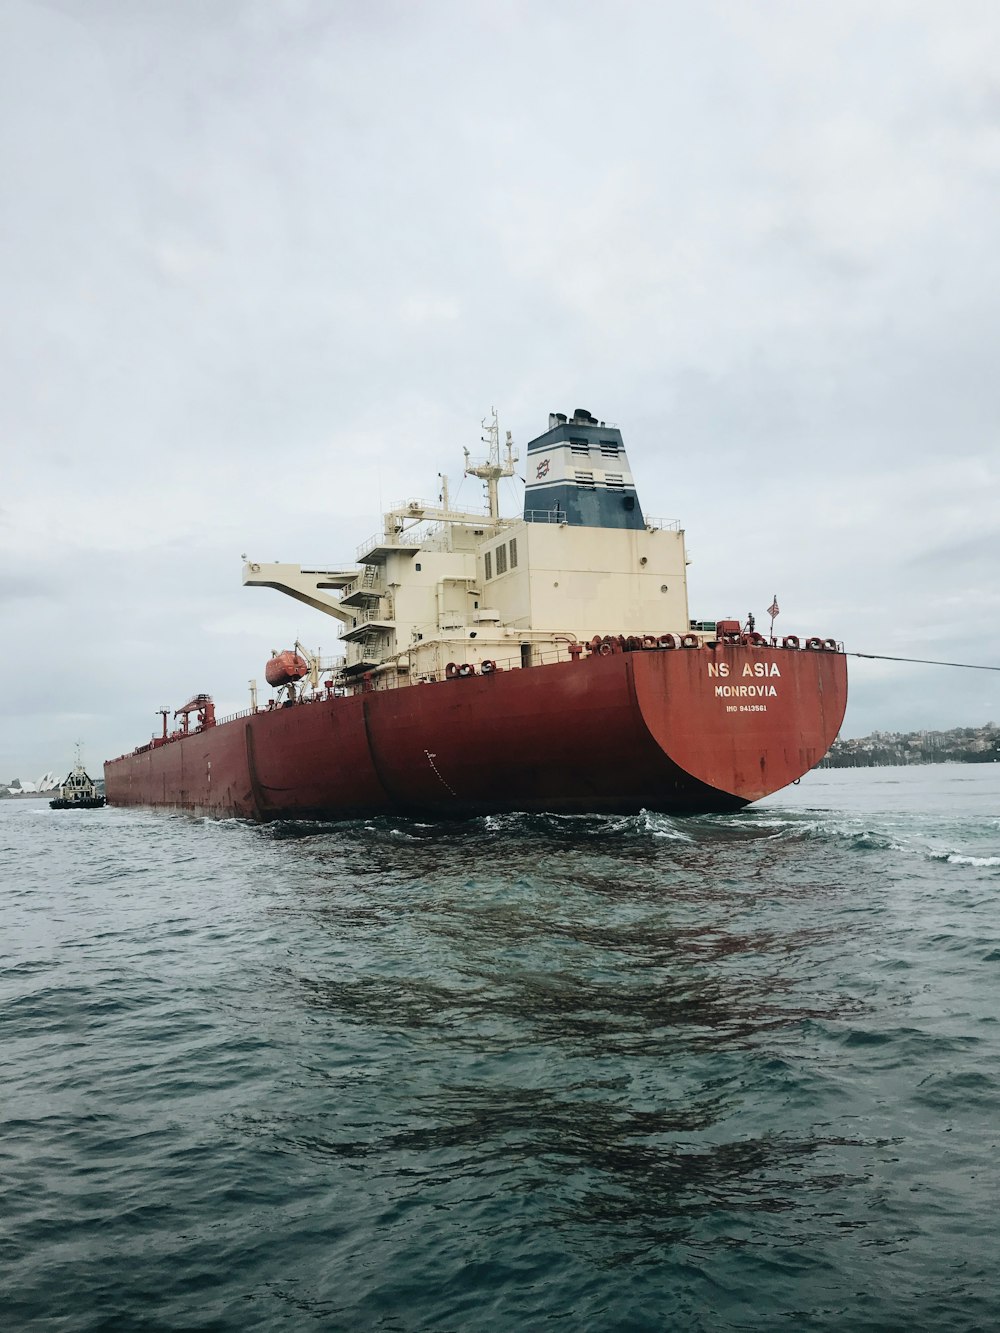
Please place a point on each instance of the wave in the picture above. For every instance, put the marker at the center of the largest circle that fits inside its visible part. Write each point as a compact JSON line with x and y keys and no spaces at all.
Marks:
{"x":645,"y":823}
{"x":906,"y":838}
{"x":960,"y":859}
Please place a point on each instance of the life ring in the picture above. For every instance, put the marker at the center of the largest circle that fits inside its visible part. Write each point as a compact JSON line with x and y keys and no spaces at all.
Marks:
{"x":488,"y":667}
{"x":814,"y":643}
{"x":790,"y":641}
{"x":606,"y":649}
{"x":667,"y":641}
{"x":649,"y":641}
{"x":830,"y":645}
{"x":451,"y":670}
{"x":689,"y":641}
{"x":465,"y":670}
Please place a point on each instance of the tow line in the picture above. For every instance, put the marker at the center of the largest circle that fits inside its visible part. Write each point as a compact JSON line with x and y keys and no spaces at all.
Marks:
{"x":924,"y":661}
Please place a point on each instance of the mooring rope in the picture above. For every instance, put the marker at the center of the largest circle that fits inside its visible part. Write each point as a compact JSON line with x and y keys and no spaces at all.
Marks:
{"x":924,"y":661}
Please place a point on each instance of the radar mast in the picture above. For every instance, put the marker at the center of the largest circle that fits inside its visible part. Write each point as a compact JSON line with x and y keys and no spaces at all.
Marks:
{"x":492,"y":470}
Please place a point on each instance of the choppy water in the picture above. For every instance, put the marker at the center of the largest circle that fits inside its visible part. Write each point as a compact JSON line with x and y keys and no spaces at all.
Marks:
{"x":734,"y":1072}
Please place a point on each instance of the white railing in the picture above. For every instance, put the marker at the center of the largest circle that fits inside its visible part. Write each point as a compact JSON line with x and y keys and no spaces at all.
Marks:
{"x":367,"y":586}
{"x":366,"y":616}
{"x":560,"y":516}
{"x":663,"y":524}
{"x":388,"y":539}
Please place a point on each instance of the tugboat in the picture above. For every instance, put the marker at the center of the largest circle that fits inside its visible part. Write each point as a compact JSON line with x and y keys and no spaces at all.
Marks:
{"x":79,"y":791}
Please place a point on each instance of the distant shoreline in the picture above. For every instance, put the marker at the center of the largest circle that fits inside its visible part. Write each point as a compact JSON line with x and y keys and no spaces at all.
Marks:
{"x":894,"y":749}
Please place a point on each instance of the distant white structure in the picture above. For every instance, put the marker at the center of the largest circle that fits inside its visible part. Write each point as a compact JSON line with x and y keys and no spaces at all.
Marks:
{"x":24,"y":787}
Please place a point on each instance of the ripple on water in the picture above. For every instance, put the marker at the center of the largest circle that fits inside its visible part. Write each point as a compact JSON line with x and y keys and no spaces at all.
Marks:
{"x":636,"y":1072}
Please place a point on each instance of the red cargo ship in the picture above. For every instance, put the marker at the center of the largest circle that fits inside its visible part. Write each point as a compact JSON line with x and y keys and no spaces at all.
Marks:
{"x":469,"y":684}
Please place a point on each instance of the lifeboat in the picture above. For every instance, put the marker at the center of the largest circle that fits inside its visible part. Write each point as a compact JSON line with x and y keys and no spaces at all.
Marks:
{"x":285,"y":668}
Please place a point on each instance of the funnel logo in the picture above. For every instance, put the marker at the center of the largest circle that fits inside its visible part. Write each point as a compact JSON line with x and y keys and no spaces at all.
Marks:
{"x":542,"y":470}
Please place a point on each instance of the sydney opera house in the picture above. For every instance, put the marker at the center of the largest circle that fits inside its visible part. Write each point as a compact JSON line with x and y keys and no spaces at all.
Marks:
{"x":22,"y":787}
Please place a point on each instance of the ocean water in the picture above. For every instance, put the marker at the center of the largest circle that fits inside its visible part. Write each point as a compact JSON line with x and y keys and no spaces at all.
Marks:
{"x":723,"y":1073}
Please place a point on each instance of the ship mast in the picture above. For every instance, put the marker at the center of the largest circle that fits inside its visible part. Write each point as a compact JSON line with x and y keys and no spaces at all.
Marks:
{"x":492,"y":470}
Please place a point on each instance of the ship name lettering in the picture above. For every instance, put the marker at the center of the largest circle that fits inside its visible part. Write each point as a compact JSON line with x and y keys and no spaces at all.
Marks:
{"x":758,"y":669}
{"x":745,"y":692}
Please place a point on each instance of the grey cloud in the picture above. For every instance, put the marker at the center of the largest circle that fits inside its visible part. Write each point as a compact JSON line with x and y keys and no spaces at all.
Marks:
{"x":979,"y":554}
{"x":21,"y":586}
{"x":261,"y":260}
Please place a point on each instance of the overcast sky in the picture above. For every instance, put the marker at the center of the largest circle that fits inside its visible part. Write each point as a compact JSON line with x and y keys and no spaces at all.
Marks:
{"x":265,"y":261}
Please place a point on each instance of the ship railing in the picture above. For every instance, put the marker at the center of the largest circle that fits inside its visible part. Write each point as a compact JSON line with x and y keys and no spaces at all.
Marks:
{"x":539,"y":657}
{"x":367,"y":586}
{"x":243,"y":712}
{"x":274,"y":705}
{"x":380,"y":679}
{"x":412,"y":505}
{"x":663,"y":524}
{"x":341,"y":683}
{"x":560,"y":516}
{"x":377,"y":539}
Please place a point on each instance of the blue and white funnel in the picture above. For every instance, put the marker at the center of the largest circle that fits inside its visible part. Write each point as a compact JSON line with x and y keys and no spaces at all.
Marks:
{"x":578,"y":473}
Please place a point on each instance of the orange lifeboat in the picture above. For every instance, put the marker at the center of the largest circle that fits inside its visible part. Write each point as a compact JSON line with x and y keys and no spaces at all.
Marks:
{"x":285,"y":668}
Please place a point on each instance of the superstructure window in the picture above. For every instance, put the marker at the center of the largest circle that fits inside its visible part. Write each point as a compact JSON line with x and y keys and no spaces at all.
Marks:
{"x":609,"y":448}
{"x":501,"y":554}
{"x":615,"y":481}
{"x":488,"y":561}
{"x":579,"y":447}
{"x":513,"y":553}
{"x":586,"y":480}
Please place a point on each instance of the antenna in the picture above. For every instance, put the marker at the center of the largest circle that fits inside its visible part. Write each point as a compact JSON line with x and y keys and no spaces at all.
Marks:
{"x":492,"y":470}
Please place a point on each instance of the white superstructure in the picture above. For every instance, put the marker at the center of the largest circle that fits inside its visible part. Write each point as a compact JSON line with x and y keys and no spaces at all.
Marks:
{"x":439,"y":586}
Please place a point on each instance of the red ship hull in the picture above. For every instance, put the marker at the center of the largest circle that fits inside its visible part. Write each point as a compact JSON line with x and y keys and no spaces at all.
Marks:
{"x":707,"y":729}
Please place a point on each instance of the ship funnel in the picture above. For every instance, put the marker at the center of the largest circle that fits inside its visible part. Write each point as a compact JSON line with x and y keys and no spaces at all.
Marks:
{"x":578,"y":474}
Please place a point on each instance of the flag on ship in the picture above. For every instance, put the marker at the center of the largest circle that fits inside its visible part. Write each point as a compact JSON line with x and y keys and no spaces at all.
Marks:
{"x":773,"y":610}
